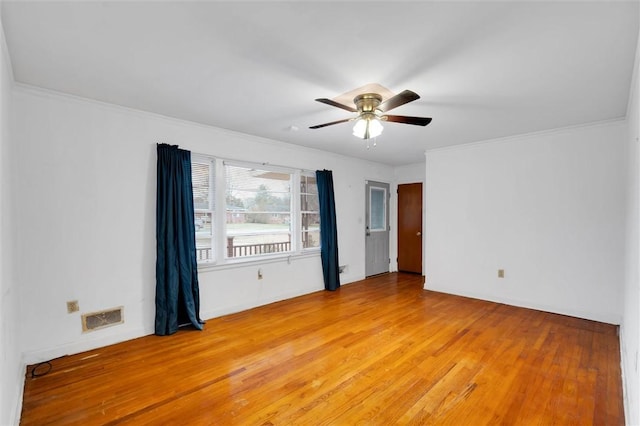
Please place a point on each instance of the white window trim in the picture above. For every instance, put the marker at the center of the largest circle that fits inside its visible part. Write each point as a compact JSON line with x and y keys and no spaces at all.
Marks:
{"x":212,"y":179}
{"x":220,"y":261}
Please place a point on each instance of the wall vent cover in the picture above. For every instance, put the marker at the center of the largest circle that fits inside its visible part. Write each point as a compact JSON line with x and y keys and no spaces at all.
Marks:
{"x":97,"y":320}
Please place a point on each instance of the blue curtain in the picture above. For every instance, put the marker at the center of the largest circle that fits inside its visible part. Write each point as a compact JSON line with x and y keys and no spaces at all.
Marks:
{"x":328,"y":230}
{"x":177,"y":291}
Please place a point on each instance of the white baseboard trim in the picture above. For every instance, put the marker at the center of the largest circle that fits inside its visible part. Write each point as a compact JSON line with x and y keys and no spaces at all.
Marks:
{"x":226,"y":310}
{"x":41,"y":355}
{"x":608,"y":318}
{"x":349,"y":279}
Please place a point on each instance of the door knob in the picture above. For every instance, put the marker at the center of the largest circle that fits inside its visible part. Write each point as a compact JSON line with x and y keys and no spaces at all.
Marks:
{"x":418,"y":233}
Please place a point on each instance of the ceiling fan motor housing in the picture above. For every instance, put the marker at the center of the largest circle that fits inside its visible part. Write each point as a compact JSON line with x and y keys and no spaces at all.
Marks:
{"x":367,"y":102}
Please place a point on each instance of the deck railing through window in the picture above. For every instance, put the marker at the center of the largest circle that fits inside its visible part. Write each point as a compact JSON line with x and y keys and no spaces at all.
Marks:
{"x":242,"y":250}
{"x":255,"y":249}
{"x":251,"y":247}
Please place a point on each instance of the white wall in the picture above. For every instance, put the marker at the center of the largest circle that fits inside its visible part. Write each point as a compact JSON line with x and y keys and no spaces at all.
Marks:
{"x":548,"y":208}
{"x":85,"y":186}
{"x":11,"y":367}
{"x":630,"y":327}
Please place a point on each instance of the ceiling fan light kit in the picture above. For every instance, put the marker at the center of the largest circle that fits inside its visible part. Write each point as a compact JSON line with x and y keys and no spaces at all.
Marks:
{"x":370,"y":113}
{"x":367,"y":126}
{"x":368,"y":122}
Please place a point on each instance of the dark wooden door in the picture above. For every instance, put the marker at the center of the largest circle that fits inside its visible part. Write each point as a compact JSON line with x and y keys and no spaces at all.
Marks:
{"x":410,"y":227}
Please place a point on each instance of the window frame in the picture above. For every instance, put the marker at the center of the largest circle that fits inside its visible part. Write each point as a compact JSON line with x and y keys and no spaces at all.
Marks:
{"x":302,"y":212}
{"x":383,"y":220}
{"x":213,"y":202}
{"x":219,"y":221}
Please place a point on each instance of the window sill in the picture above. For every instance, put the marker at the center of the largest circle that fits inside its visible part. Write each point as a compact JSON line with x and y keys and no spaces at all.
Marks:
{"x":260,"y":260}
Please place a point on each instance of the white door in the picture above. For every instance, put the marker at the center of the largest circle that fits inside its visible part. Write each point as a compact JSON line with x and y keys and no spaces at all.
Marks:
{"x":377,"y":228}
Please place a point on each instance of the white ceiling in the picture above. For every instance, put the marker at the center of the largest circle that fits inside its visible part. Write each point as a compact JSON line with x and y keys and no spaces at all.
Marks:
{"x":483,"y":69}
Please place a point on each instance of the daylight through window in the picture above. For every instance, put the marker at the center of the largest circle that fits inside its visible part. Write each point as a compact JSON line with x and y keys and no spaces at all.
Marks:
{"x":310,"y":212}
{"x":258,"y":205}
{"x":203,"y":180}
{"x":267,"y":211}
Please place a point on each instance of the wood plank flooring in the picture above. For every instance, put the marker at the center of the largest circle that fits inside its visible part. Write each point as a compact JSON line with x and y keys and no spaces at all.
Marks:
{"x":378,"y":352}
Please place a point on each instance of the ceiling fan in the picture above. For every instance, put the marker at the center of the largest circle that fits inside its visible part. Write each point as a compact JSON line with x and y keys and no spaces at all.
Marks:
{"x":371,"y":111}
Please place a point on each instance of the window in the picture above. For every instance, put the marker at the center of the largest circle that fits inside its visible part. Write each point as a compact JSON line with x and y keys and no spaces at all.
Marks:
{"x":203,"y":179}
{"x":309,"y":211}
{"x":377,"y":209}
{"x":264,"y":210}
{"x":258,"y":205}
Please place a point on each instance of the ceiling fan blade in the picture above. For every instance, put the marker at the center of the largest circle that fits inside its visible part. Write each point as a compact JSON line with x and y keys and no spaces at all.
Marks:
{"x":400,"y":99}
{"x":336,"y":104}
{"x":330,"y":124}
{"x":418,"y":121}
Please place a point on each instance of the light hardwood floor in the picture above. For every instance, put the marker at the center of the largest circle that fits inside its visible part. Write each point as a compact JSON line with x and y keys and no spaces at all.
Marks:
{"x":377,"y":352}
